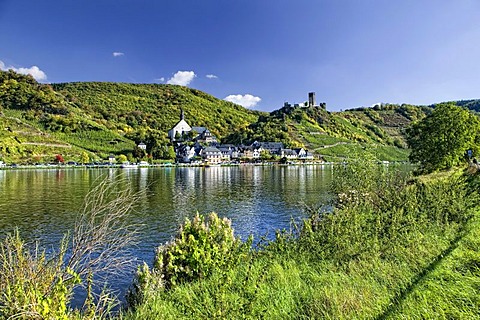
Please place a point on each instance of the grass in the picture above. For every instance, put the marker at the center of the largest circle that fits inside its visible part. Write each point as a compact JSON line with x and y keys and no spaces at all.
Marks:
{"x":450,"y":290}
{"x":347,"y":151}
{"x":375,"y":257}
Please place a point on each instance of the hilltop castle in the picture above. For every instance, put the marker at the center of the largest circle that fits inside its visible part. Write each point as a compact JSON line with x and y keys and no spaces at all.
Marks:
{"x":310,"y":103}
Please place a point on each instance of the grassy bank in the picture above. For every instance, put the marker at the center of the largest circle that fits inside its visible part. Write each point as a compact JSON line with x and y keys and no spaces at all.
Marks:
{"x":403,"y":252}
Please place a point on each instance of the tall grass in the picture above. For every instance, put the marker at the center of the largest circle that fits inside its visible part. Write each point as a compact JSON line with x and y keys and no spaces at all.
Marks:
{"x":385,"y":235}
{"x":37,"y":285}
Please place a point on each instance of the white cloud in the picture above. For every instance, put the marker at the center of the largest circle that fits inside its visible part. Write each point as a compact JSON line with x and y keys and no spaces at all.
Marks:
{"x":34,"y":71}
{"x":211,"y":76}
{"x":118,"y":54}
{"x":247,"y":100}
{"x":162,"y":79}
{"x":182,"y":78}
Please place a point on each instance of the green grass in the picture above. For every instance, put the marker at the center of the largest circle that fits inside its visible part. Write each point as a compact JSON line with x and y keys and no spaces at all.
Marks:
{"x":408,"y":252}
{"x":450,"y":289}
{"x":345,"y":151}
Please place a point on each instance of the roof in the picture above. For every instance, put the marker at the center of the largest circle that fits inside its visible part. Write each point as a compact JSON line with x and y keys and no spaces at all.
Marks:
{"x":211,"y":149}
{"x":199,"y":129}
{"x":289,"y":152}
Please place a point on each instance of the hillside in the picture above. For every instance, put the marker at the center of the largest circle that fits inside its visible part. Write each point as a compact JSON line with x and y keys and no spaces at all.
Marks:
{"x":38,"y":121}
{"x":337,"y":135}
{"x":131,"y":108}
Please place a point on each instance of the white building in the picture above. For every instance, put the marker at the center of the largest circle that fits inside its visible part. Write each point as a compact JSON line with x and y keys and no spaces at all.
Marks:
{"x":181,"y":128}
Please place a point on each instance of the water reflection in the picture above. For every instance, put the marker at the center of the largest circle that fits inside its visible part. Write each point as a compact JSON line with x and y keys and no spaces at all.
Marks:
{"x":43,"y":204}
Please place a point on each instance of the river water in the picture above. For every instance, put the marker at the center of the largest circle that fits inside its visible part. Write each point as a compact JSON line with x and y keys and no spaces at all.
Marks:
{"x":43,"y":204}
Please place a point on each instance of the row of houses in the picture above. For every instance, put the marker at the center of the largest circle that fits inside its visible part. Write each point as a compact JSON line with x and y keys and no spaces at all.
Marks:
{"x":207,"y":149}
{"x":216,"y":154}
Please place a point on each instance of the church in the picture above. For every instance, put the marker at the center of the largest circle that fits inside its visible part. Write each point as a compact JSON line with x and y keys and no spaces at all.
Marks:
{"x":182,"y":128}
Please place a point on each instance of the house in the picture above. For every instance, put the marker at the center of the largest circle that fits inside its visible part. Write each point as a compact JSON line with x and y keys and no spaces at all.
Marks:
{"x":142,"y":146}
{"x":111,"y":159}
{"x":186,"y":153}
{"x":251,"y":152}
{"x":288,"y":153}
{"x":211,"y":155}
{"x":304,"y":154}
{"x":272,"y":147}
{"x":229,"y":151}
{"x":204,"y":135}
{"x":181,"y":128}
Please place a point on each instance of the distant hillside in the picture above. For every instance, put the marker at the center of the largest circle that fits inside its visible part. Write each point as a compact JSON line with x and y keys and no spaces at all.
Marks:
{"x":473,"y":104}
{"x":336,"y":135}
{"x":95,"y":119}
{"x":38,"y":121}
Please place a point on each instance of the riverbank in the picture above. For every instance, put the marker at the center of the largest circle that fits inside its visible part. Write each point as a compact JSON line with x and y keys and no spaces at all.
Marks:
{"x":179,"y":165}
{"x":394,"y":248}
{"x":377,"y":254}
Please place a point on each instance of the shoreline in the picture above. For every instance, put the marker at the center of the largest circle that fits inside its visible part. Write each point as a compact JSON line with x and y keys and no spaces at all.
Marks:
{"x":176,"y":165}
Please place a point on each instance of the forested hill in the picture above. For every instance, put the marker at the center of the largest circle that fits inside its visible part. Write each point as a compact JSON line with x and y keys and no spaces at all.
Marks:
{"x":377,"y":131}
{"x":95,"y":119}
{"x":473,"y":104}
{"x":38,"y":121}
{"x":155,"y":106}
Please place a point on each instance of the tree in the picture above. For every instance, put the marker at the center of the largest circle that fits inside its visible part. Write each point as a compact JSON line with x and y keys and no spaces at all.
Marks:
{"x":171,"y":153}
{"x":122,"y":158}
{"x":85,"y":158}
{"x":265,"y":155}
{"x":139,"y":153}
{"x":441,"y":140}
{"x":59,"y":158}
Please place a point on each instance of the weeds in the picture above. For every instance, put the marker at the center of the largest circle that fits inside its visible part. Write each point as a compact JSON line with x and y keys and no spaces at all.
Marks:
{"x":34,"y":285}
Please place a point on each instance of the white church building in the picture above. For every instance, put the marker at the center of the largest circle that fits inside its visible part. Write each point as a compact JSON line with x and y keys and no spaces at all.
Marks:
{"x":181,"y":128}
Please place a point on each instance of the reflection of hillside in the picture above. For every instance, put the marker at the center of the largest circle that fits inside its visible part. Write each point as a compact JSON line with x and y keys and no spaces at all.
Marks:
{"x":255,"y":198}
{"x":43,"y":201}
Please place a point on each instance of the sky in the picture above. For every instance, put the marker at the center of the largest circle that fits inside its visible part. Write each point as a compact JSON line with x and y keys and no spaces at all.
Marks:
{"x":258,"y":53}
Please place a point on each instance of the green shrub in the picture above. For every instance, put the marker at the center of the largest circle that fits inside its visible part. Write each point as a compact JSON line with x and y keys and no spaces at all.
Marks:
{"x":33,"y":286}
{"x":377,"y":209}
{"x":202,"y":246}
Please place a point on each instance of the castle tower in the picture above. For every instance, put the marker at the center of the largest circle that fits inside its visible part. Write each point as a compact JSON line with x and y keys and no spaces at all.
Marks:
{"x":311,"y":99}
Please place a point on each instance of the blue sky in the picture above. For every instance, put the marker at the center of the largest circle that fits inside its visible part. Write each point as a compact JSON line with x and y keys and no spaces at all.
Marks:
{"x":261,"y":53}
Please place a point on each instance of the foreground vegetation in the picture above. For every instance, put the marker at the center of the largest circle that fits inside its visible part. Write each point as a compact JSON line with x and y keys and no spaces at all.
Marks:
{"x":392,"y":246}
{"x":370,"y":257}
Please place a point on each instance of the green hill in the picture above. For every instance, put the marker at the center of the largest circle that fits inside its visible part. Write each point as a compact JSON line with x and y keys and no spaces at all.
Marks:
{"x":38,"y":121}
{"x":337,"y":135}
{"x":128,"y":107}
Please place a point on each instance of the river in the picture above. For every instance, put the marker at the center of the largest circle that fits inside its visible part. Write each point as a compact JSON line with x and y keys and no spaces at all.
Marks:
{"x":43,"y":204}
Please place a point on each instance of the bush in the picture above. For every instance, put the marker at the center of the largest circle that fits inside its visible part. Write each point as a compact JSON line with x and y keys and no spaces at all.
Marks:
{"x":202,"y":246}
{"x":377,"y":209}
{"x":31,"y":285}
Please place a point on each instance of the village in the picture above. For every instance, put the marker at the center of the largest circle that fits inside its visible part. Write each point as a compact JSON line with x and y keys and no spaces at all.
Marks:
{"x":197,"y":145}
